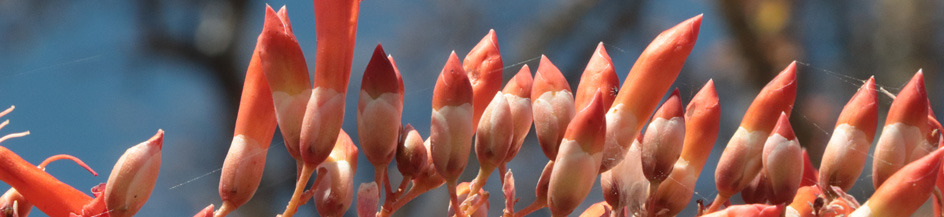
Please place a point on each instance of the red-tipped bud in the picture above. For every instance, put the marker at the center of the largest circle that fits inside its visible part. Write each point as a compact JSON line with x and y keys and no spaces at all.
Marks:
{"x":133,"y":178}
{"x":903,"y":138}
{"x":483,"y":65}
{"x":740,"y":162}
{"x":552,"y":106}
{"x":411,"y":154}
{"x":783,"y":162}
{"x":702,"y":119}
{"x":577,"y":163}
{"x":599,"y":74}
{"x":518,"y":94}
{"x":379,"y":109}
{"x":335,"y":189}
{"x":451,"y":128}
{"x":848,"y":148}
{"x":287,"y":75}
{"x":905,"y":191}
{"x":255,"y":125}
{"x":662,"y":144}
{"x":493,"y":138}
{"x":651,"y":76}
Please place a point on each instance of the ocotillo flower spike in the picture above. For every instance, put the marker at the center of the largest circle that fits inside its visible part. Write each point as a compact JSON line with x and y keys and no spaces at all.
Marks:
{"x":378,"y":112}
{"x":903,"y":137}
{"x":906,"y":190}
{"x":552,"y":105}
{"x":287,"y":75}
{"x":662,"y":144}
{"x":783,"y":162}
{"x":848,"y":148}
{"x":483,"y":65}
{"x":518,"y":94}
{"x":577,"y":163}
{"x":255,"y":126}
{"x":133,"y":177}
{"x":334,"y":190}
{"x":599,"y":74}
{"x":653,"y":73}
{"x":451,"y":126}
{"x":741,"y":160}
{"x":493,"y":138}
{"x":702,"y":118}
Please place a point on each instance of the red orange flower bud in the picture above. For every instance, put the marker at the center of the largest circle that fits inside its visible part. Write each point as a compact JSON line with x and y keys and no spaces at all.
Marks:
{"x":906,"y":190}
{"x":783,"y":162}
{"x":335,"y":188}
{"x":378,"y":112}
{"x":651,"y":76}
{"x":702,"y":117}
{"x":492,"y":139}
{"x":255,"y":126}
{"x":848,"y":148}
{"x":552,"y":105}
{"x":412,"y":158}
{"x":287,"y":75}
{"x":483,"y":65}
{"x":903,"y":137}
{"x":599,"y":74}
{"x":741,"y":160}
{"x":451,"y":128}
{"x":518,"y":94}
{"x":133,"y":178}
{"x":662,"y":144}
{"x":578,"y":161}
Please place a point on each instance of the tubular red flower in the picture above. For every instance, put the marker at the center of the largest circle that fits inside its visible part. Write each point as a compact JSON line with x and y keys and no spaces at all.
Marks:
{"x":379,"y":109}
{"x":782,"y":162}
{"x":255,"y":126}
{"x":662,"y":144}
{"x":287,"y":75}
{"x":483,"y":65}
{"x":451,"y":125}
{"x":651,"y":75}
{"x":518,"y":94}
{"x":848,"y":148}
{"x":576,"y":166}
{"x":906,"y":190}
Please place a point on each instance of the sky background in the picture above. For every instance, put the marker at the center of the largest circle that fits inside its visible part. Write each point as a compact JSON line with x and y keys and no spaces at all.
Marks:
{"x":93,"y":78}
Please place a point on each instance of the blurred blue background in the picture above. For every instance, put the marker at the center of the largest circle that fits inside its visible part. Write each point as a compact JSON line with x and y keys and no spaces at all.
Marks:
{"x":92,"y":78}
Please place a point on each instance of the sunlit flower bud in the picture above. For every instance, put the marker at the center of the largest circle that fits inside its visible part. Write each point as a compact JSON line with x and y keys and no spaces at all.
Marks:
{"x":651,"y":76}
{"x":903,"y":137}
{"x":848,"y":148}
{"x":483,"y":65}
{"x":411,"y":154}
{"x":451,"y":127}
{"x":287,"y":74}
{"x":518,"y":94}
{"x":335,"y":188}
{"x":492,"y":139}
{"x":552,"y":106}
{"x":741,"y":160}
{"x":783,"y":162}
{"x":599,"y":74}
{"x":132,"y":179}
{"x":577,"y":164}
{"x":662,"y":144}
{"x":378,"y":112}
{"x":906,"y":190}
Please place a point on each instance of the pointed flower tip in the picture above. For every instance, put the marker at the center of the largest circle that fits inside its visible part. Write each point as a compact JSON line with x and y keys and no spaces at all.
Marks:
{"x":157,"y":139}
{"x":911,"y":104}
{"x":783,"y":127}
{"x":380,"y":77}
{"x":862,"y":110}
{"x":589,"y":125}
{"x":520,"y":85}
{"x":275,"y":21}
{"x":453,"y":87}
{"x":672,"y":107}
{"x":548,"y":78}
